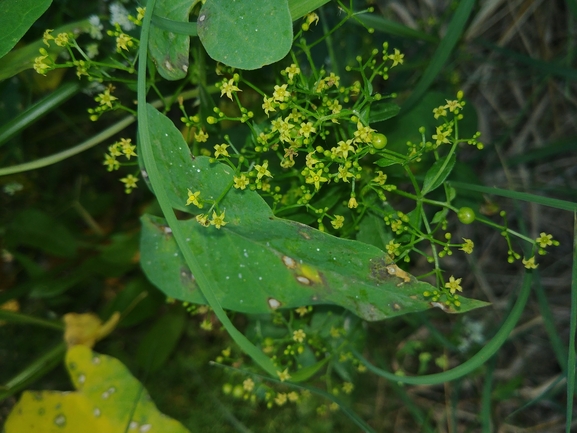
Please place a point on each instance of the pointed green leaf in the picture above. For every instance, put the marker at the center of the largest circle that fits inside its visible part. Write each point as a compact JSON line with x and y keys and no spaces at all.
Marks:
{"x":168,"y":50}
{"x":383,"y":110}
{"x":109,"y":399}
{"x":260,"y":262}
{"x":437,"y":174}
{"x":246,"y":34}
{"x":16,"y":17}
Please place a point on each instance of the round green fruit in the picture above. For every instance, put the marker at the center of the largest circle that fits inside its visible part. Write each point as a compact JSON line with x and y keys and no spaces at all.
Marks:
{"x":379,"y":141}
{"x":466,"y":215}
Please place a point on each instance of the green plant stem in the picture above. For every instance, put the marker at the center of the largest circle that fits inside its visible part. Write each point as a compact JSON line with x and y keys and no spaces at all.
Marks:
{"x":571,"y":359}
{"x":471,"y":364}
{"x":85,"y":145}
{"x":35,"y":370}
{"x":9,"y":316}
{"x":36,"y":111}
{"x":206,"y":286}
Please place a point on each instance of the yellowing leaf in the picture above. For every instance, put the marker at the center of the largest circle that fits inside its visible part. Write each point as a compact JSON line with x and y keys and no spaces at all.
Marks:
{"x":109,"y":400}
{"x":87,"y":329}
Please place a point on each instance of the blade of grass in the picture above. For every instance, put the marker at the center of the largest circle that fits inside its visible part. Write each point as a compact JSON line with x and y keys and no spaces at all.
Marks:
{"x":205,"y":285}
{"x":545,"y":201}
{"x":444,"y":50}
{"x":546,"y":67}
{"x":12,"y":317}
{"x":393,"y":28}
{"x":85,"y":145}
{"x":36,"y":111}
{"x":485,"y":414}
{"x":34,"y":371}
{"x":573,"y":329}
{"x":549,"y":323}
{"x":474,"y":362}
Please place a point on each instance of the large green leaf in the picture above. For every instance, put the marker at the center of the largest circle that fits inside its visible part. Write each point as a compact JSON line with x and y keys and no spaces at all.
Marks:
{"x":246,"y":34}
{"x":109,"y":399}
{"x":260,"y":262}
{"x":169,"y":50}
{"x":16,"y":17}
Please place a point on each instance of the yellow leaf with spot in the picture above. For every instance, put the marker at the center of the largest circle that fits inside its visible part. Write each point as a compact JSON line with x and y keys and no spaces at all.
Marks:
{"x":108,"y":400}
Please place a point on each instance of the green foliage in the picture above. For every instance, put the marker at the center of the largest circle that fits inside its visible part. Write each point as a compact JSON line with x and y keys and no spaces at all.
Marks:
{"x":239,"y":34}
{"x":16,"y":17}
{"x":168,"y":50}
{"x":299,"y":202}
{"x":285,"y":264}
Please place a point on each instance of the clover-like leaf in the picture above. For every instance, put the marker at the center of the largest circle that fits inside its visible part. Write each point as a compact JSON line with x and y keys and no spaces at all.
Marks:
{"x":246,"y":34}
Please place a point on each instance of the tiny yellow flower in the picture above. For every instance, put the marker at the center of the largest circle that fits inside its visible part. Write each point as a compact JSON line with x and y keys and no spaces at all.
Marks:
{"x":123,"y":42}
{"x":47,"y":36}
{"x":105,"y":98}
{"x":240,"y":182}
{"x":344,"y":148}
{"x":283,"y":375}
{"x":381,"y":179}
{"x":344,"y":173}
{"x":127,"y":147}
{"x":218,"y":220}
{"x":248,"y":385}
{"x":227,"y":87}
{"x":397,"y":58}
{"x":40,"y":65}
{"x":206,"y":325}
{"x":302,"y":311}
{"x":292,"y":70}
{"x":316,"y":178}
{"x":348,"y":387}
{"x":281,"y":398}
{"x":115,"y":149}
{"x":544,"y":240}
{"x":442,"y":136}
{"x":268,"y":105}
{"x":129,"y":183}
{"x":338,"y":222}
{"x":202,"y":219}
{"x":453,"y":105}
{"x":307,"y":129}
{"x":62,"y":39}
{"x":111,"y":162}
{"x":299,"y":335}
{"x":220,"y":149}
{"x":393,"y":248}
{"x":140,"y":12}
{"x":293,"y":396}
{"x":262,"y":170}
{"x":193,"y":199}
{"x":352,"y":203}
{"x":454,"y":285}
{"x":530,"y":263}
{"x":467,"y":246}
{"x":280,"y":93}
{"x":201,"y":136}
{"x":439,"y":112}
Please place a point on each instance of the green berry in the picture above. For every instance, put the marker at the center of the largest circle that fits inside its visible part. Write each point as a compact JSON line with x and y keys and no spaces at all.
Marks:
{"x":466,"y":215}
{"x":379,"y":141}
